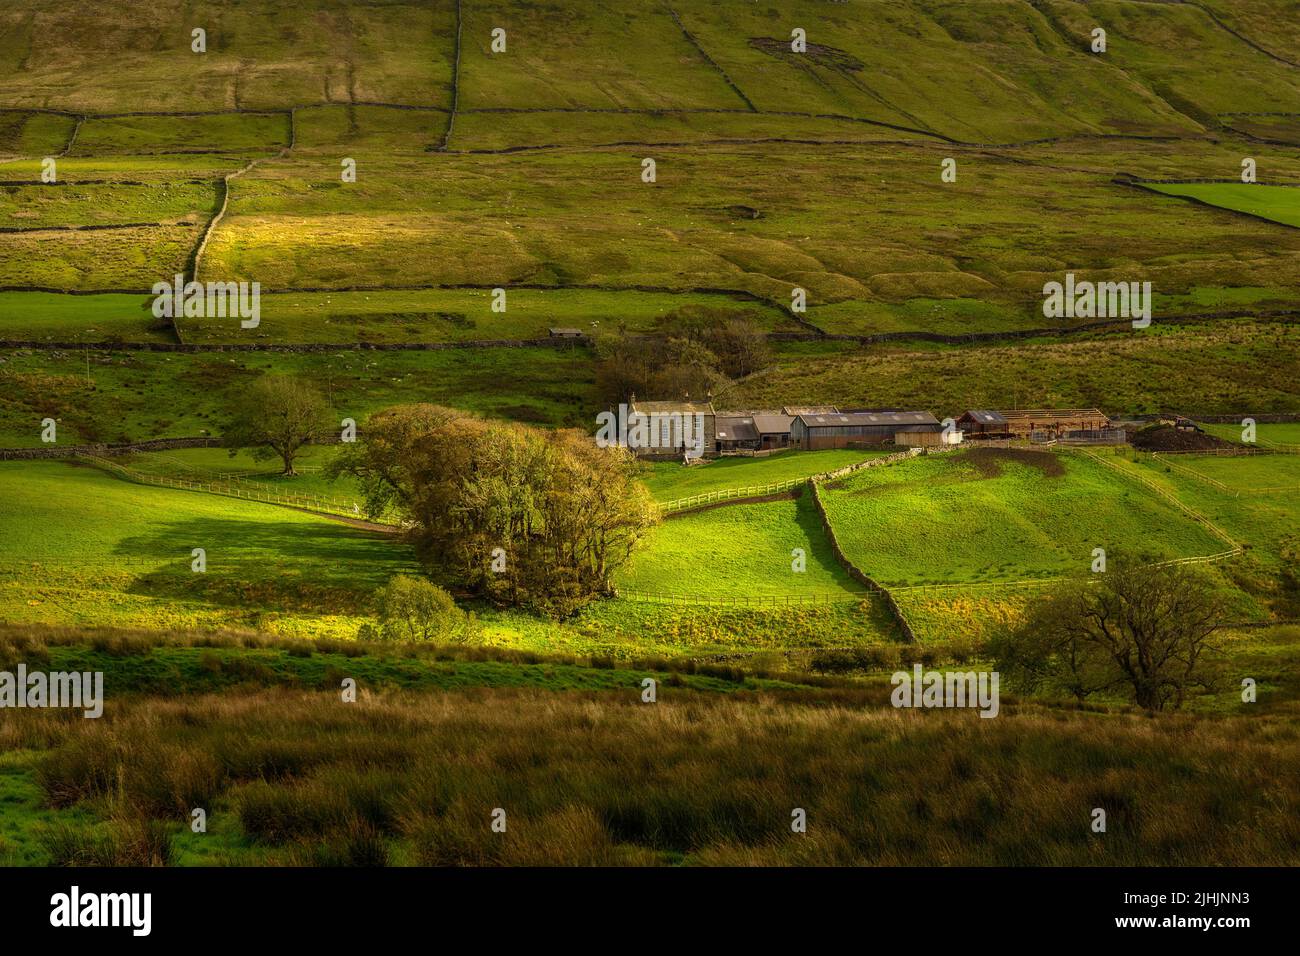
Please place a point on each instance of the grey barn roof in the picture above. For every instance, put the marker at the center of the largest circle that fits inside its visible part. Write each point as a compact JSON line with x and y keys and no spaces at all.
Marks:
{"x":735,"y":429}
{"x":869,"y":418}
{"x":986,"y":416}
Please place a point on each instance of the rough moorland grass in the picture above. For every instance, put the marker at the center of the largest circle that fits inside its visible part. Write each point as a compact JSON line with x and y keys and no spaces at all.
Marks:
{"x":105,"y":59}
{"x":455,"y":315}
{"x":1000,"y":514}
{"x":413,"y":778}
{"x":761,"y":217}
{"x":1193,"y":369}
{"x":32,"y":207}
{"x":139,"y":395}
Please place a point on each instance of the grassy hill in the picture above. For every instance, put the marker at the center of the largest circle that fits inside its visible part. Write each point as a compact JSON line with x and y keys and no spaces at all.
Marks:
{"x":1001,"y":514}
{"x":82,"y":547}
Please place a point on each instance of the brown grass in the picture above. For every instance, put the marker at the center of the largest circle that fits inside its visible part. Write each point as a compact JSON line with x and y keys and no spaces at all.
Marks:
{"x":589,"y":779}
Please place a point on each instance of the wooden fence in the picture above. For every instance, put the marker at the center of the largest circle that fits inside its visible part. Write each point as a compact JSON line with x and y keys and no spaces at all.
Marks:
{"x":234,"y":488}
{"x":760,"y":491}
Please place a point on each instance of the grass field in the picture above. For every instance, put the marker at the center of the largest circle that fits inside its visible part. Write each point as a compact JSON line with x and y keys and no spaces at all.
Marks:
{"x":669,"y":481}
{"x":1267,"y":434}
{"x":994,"y":514}
{"x":137,"y":395}
{"x":1277,"y":203}
{"x":749,"y":551}
{"x":1263,"y":523}
{"x":82,"y":547}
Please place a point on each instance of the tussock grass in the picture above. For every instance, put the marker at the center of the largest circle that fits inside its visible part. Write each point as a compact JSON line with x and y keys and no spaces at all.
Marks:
{"x":597,"y":780}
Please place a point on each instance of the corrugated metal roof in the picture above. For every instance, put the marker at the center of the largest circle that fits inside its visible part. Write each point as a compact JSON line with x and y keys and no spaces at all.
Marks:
{"x":986,"y":416}
{"x":869,"y":418}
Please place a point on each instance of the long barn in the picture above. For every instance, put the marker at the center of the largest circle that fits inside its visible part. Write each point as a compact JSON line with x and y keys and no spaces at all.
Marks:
{"x":847,"y":429}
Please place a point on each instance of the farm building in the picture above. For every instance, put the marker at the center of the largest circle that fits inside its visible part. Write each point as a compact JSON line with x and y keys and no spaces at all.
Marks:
{"x":1053,"y":422}
{"x":1048,"y":424}
{"x":773,"y":429}
{"x":848,"y":429}
{"x":763,"y":430}
{"x":677,"y":429}
{"x":983,"y":423}
{"x":736,"y":433}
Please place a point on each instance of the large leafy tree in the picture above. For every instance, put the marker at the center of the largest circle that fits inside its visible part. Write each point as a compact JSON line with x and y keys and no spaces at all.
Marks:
{"x":521,"y":515}
{"x":275,"y":417}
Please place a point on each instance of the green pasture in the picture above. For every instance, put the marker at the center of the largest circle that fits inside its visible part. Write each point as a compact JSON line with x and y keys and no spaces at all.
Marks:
{"x":1266,"y":433}
{"x":749,"y":551}
{"x":993,"y":514}
{"x":1262,"y":523}
{"x":99,"y":205}
{"x":212,"y":464}
{"x":669,"y":480}
{"x":1277,"y":203}
{"x":34,"y":134}
{"x":83,"y":547}
{"x":1247,"y":475}
{"x":56,"y":317}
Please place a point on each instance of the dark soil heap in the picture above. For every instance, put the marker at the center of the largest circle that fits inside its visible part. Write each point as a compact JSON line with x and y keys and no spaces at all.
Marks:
{"x":1164,"y":437}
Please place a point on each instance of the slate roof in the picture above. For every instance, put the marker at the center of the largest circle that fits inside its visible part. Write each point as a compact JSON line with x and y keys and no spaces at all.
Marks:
{"x":735,"y":429}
